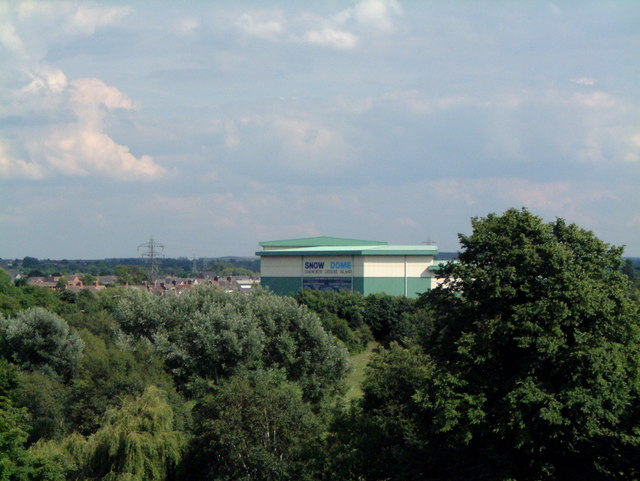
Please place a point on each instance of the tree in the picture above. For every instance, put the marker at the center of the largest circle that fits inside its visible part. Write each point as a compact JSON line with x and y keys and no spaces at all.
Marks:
{"x":531,"y":370}
{"x":254,"y":426}
{"x":16,"y":462}
{"x":137,"y":442}
{"x":206,"y":333}
{"x":37,"y":339}
{"x":106,"y":374}
{"x":13,"y":428}
{"x":88,"y":279}
{"x":28,"y":262}
{"x":46,"y":400}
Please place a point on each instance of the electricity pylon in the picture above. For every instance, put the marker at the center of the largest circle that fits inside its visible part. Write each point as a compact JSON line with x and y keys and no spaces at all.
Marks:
{"x":152,"y":252}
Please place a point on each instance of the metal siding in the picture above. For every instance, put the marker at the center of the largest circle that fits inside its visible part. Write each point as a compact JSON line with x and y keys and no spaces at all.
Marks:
{"x":285,"y":286}
{"x":394,"y":286}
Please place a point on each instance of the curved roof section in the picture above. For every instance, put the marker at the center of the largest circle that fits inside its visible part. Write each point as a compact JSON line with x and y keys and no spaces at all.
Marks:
{"x":355,"y":250}
{"x":321,"y":241}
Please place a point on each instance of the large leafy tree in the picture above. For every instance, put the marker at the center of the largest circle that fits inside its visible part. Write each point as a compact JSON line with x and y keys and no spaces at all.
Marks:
{"x":531,"y":370}
{"x":254,"y":426}
{"x":208,"y":334}
{"x":37,"y":339}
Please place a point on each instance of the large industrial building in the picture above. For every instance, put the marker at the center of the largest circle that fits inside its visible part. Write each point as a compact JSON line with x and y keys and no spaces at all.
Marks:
{"x":332,"y":263}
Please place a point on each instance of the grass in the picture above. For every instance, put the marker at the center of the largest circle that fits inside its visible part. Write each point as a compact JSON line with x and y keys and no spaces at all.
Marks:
{"x":356,"y":376}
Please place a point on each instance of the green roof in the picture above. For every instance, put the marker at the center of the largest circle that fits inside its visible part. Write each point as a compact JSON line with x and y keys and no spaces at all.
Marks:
{"x":355,"y":250}
{"x":320,"y":242}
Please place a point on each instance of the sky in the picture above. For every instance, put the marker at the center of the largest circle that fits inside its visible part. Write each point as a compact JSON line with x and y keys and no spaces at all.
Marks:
{"x":212,"y":126}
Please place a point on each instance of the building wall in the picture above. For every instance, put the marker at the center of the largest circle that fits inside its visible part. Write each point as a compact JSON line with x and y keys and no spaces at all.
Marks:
{"x":394,"y":275}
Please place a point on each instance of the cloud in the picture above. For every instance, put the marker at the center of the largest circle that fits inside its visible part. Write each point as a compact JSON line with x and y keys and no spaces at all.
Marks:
{"x":10,"y":40}
{"x":222,"y":210}
{"x":48,"y":79}
{"x":309,"y":145}
{"x":341,"y":31}
{"x":595,"y":100}
{"x":11,"y":167}
{"x":377,"y":14}
{"x":570,"y":199}
{"x":75,"y":19}
{"x":81,"y":147}
{"x":87,"y":19}
{"x":584,"y":81}
{"x":329,"y":37}
{"x":269,"y":26}
{"x":186,"y":26}
{"x":634,"y":155}
{"x":62,"y":123}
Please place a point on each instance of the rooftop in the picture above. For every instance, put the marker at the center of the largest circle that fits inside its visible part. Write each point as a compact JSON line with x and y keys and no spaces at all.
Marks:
{"x":322,"y":241}
{"x":355,"y":250}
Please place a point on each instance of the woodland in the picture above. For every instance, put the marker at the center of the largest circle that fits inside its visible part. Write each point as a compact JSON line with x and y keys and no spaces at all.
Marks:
{"x":523,"y":365}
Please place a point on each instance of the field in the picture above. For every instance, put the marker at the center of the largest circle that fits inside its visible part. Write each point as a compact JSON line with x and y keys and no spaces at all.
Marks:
{"x":355,"y":378}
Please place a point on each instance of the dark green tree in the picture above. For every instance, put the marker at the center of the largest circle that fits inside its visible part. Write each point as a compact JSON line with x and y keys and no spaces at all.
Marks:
{"x":106,"y":374}
{"x":254,"y":426}
{"x":532,"y":368}
{"x":13,"y":428}
{"x":16,"y":462}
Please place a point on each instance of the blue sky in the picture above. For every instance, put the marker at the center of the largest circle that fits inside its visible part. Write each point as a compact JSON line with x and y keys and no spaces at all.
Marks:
{"x":215,"y":125}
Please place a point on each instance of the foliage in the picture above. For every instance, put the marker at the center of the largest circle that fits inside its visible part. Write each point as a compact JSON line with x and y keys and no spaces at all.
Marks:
{"x":222,"y":268}
{"x":106,"y":374}
{"x":209,"y":334}
{"x":346,"y":305}
{"x":132,"y":275}
{"x":45,"y":399}
{"x":40,"y":340}
{"x":341,"y":314}
{"x":137,"y":442}
{"x":380,"y":315}
{"x":631,"y":271}
{"x":531,"y":371}
{"x":254,"y":426}
{"x":384,"y":313}
{"x":15,"y":298}
{"x":13,"y":427}
{"x":16,"y":462}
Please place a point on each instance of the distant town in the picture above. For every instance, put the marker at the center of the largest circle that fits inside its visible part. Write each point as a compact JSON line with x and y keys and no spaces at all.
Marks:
{"x":159,"y":275}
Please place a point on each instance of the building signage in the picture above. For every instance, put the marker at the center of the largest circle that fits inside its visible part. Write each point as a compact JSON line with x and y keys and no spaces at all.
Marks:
{"x":327,"y":267}
{"x":328,"y":283}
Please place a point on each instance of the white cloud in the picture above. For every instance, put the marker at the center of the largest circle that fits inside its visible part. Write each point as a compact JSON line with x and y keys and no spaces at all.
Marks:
{"x":77,"y":150}
{"x":82,"y":147}
{"x":265,"y":26}
{"x":329,"y":37}
{"x":9,"y":39}
{"x":341,"y":31}
{"x":377,"y":14}
{"x":309,"y":145}
{"x":11,"y":167}
{"x":634,"y":156}
{"x":87,"y":19}
{"x":584,"y":81}
{"x":70,"y":17}
{"x":595,"y":100}
{"x":47,"y":79}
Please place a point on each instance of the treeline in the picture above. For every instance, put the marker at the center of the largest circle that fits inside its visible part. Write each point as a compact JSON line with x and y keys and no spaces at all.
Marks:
{"x":523,"y":366}
{"x":126,"y":385}
{"x":180,"y":267}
